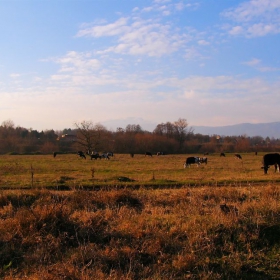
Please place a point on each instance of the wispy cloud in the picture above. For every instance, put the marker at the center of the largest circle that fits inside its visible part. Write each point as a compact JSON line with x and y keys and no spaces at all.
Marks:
{"x":110,"y":29}
{"x":252,"y":62}
{"x":137,"y":36}
{"x":257,"y":64}
{"x":162,"y":57}
{"x":254,"y":18}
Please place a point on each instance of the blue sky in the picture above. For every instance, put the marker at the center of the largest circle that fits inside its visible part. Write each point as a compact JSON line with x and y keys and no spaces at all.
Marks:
{"x":211,"y":62}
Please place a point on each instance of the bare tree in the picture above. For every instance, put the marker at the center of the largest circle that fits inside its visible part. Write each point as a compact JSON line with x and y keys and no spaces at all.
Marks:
{"x":89,"y":136}
{"x":8,"y":124}
{"x":181,"y":130}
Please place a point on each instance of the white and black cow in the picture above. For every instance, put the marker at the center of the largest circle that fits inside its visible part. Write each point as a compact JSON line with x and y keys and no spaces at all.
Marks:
{"x":203,"y":160}
{"x":105,"y":156}
{"x":271,"y":159}
{"x":192,"y":160}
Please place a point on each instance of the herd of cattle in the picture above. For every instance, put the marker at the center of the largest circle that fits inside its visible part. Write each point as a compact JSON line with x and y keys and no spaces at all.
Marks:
{"x":268,"y":159}
{"x":96,"y":155}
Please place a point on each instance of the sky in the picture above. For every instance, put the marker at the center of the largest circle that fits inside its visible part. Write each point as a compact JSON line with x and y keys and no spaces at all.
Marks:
{"x":112,"y":62}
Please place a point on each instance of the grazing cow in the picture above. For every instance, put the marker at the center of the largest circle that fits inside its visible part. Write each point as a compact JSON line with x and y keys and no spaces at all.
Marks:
{"x":238,"y":156}
{"x":148,"y":154}
{"x":132,"y":155}
{"x":81,"y":154}
{"x":192,"y":160}
{"x":203,"y":160}
{"x":95,"y":156}
{"x":110,"y":154}
{"x":222,"y":155}
{"x":105,"y":156}
{"x":160,"y":153}
{"x":271,"y":159}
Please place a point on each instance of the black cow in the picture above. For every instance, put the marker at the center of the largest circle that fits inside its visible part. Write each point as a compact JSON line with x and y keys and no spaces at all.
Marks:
{"x":191,"y":160}
{"x":271,"y":159}
{"x":95,"y":156}
{"x":148,"y":154}
{"x":238,"y":156}
{"x":54,"y":154}
{"x":222,"y":155}
{"x":81,"y":154}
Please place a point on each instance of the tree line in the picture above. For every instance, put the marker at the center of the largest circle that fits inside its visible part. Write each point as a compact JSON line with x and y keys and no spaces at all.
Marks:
{"x":170,"y":138}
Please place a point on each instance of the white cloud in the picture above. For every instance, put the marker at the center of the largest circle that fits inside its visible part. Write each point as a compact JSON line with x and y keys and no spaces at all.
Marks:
{"x":77,"y":62}
{"x":199,"y":99}
{"x":111,"y":29}
{"x":203,"y":42}
{"x":252,"y":62}
{"x":236,"y":30}
{"x":255,"y":18}
{"x":139,"y":37}
{"x":15,"y":75}
{"x":254,"y":9}
{"x":257,"y":64}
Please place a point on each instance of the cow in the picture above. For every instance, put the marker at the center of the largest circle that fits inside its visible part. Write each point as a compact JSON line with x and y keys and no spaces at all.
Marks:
{"x":238,"y":156}
{"x":148,"y":154}
{"x":192,"y":160}
{"x":203,"y":160}
{"x":271,"y":159}
{"x":160,"y":153}
{"x":132,"y":155}
{"x":81,"y":154}
{"x":95,"y":156}
{"x":54,"y":154}
{"x":110,"y":154}
{"x":222,"y":155}
{"x":105,"y":156}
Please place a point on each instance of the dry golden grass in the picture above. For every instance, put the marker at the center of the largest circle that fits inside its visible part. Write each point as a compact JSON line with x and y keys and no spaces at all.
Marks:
{"x":172,"y":226}
{"x":72,"y":172}
{"x":178,"y":233}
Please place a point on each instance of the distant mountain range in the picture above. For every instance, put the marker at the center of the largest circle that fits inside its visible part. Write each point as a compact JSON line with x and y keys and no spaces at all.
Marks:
{"x":271,"y":130}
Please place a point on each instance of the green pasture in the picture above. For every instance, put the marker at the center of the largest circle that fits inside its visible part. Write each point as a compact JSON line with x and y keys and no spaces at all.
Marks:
{"x":68,"y":170}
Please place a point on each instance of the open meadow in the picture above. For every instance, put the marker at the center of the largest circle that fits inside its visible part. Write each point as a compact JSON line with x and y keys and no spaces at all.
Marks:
{"x":138,"y":218}
{"x":71,"y":171}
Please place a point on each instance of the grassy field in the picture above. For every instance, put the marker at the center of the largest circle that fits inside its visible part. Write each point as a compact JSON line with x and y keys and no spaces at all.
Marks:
{"x":75,"y":220}
{"x":72,"y":171}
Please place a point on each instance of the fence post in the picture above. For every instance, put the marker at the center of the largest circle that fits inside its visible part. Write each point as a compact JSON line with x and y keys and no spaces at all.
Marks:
{"x":32,"y":175}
